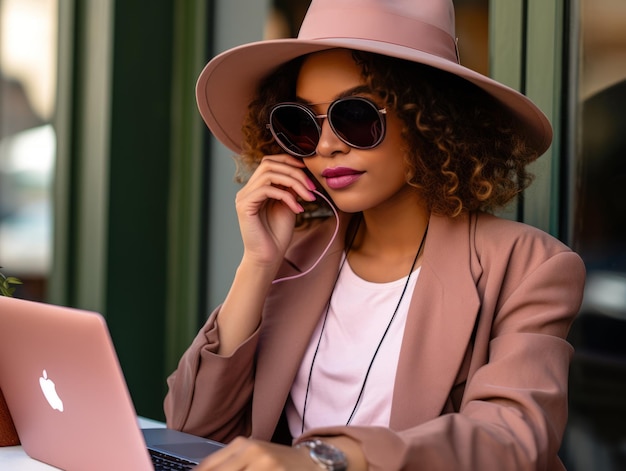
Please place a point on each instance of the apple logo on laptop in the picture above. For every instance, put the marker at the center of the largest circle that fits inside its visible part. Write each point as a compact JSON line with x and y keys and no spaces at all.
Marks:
{"x":50,"y":392}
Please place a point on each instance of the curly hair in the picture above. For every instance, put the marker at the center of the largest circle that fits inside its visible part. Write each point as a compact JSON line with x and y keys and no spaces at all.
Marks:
{"x":463,"y":151}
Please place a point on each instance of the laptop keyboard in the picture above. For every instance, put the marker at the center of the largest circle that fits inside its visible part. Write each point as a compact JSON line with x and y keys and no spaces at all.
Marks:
{"x":163,"y":462}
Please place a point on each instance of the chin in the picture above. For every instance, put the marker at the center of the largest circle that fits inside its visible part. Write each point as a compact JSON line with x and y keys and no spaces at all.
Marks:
{"x":351,"y":204}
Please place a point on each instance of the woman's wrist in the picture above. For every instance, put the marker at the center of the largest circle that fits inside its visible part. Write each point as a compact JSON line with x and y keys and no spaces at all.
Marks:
{"x":258,"y":270}
{"x":240,"y":313}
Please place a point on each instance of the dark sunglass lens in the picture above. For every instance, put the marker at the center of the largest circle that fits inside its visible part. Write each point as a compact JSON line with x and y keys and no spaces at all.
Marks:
{"x":357,"y":122}
{"x":295,"y":129}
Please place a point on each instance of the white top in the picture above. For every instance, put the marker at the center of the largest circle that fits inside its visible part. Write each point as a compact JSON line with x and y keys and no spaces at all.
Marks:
{"x":358,"y":316}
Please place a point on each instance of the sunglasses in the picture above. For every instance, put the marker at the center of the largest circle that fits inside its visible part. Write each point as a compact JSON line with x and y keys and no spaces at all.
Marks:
{"x":357,"y":121}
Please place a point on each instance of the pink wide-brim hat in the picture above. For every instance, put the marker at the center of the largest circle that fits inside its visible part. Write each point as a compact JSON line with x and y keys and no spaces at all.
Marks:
{"x":421,"y":31}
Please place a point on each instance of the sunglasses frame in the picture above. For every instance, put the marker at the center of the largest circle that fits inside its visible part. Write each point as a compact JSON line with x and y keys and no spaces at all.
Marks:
{"x":318,"y":118}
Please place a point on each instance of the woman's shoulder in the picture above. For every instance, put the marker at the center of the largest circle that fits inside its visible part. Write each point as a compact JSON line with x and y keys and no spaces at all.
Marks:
{"x":497,"y":230}
{"x":496,"y":238}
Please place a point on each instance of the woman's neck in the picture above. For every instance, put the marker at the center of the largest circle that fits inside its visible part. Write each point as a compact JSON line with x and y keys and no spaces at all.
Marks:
{"x":388,"y":237}
{"x":396,"y":226}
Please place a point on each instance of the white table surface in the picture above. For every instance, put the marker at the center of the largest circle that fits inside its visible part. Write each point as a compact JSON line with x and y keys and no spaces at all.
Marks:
{"x":14,"y":457}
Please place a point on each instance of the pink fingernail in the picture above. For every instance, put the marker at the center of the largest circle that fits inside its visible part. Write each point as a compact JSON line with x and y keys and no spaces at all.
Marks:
{"x":310,"y":184}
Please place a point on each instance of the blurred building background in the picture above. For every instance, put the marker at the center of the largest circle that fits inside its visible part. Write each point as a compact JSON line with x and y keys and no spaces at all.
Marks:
{"x":113,"y":197}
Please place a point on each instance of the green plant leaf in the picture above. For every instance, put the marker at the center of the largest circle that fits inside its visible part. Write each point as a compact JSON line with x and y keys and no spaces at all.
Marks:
{"x":5,"y":285}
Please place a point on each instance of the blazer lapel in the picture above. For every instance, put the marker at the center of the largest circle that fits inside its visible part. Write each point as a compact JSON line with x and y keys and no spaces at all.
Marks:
{"x":439,"y":325}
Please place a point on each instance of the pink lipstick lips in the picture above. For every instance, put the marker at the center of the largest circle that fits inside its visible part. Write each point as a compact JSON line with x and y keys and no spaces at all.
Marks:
{"x":341,"y":177}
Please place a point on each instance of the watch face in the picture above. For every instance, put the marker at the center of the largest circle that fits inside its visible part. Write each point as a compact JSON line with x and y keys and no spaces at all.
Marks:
{"x":329,"y":456}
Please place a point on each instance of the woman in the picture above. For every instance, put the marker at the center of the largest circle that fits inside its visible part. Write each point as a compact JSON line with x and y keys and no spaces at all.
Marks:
{"x":413,"y":330}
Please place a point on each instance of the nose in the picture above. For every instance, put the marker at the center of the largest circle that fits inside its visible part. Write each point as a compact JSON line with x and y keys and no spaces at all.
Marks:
{"x":329,"y":144}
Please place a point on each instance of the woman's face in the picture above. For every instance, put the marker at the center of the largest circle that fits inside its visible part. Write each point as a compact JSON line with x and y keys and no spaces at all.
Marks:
{"x":356,"y":179}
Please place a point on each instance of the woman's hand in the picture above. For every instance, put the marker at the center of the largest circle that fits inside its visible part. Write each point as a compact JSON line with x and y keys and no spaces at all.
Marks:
{"x":254,"y":455}
{"x":267,"y":206}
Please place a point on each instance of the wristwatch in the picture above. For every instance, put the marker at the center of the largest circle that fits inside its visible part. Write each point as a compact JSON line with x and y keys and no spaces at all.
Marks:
{"x":325,"y":455}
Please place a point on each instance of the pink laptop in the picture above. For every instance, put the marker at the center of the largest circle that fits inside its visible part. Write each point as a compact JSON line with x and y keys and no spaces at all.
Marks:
{"x":68,"y":398}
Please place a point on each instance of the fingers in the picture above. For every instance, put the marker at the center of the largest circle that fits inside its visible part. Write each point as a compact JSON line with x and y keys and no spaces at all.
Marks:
{"x":267,"y":205}
{"x":231,"y":457}
{"x":285,"y":173}
{"x":226,"y":458}
{"x":254,"y":455}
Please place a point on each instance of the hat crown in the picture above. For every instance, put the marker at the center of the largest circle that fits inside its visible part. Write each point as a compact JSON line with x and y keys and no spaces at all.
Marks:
{"x":424,"y":25}
{"x":439,"y":13}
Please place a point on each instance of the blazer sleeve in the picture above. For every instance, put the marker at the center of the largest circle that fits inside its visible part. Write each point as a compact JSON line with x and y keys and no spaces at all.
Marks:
{"x":210,"y":395}
{"x":514,"y":408}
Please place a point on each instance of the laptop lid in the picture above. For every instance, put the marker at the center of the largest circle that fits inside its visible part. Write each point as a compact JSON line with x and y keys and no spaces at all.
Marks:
{"x":65,"y":390}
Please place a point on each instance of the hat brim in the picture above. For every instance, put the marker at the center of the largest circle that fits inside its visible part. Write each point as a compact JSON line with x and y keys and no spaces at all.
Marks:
{"x":228,"y":83}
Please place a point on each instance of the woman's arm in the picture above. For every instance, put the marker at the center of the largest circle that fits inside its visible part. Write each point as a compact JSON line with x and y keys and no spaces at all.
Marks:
{"x":266,"y":208}
{"x":209,"y":393}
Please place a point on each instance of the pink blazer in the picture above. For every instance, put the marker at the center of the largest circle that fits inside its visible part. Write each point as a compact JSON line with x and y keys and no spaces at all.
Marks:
{"x":481,"y":382}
